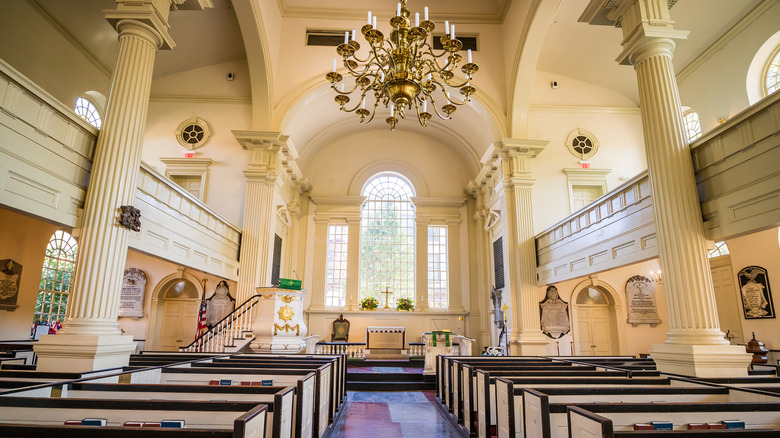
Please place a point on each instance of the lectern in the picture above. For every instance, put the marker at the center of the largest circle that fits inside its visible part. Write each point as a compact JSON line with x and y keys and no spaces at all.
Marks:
{"x":278,"y":325}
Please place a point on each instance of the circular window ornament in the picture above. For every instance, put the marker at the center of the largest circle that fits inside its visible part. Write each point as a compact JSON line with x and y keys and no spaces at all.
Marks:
{"x":193,"y":133}
{"x":582,"y":144}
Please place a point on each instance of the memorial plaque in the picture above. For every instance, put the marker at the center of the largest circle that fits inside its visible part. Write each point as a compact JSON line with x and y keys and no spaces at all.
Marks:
{"x":131,"y":301}
{"x":554,"y":313}
{"x":756,"y":296}
{"x":10,"y":277}
{"x":640,"y":296}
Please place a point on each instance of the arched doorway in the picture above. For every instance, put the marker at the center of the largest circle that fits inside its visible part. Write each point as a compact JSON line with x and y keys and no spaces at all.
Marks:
{"x":594,"y":314}
{"x":174,"y":312}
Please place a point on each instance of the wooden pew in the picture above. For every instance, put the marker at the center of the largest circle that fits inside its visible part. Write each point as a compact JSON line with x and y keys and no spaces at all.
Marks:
{"x":597,"y":419}
{"x":545,"y":414}
{"x":247,"y":419}
{"x":586,"y":424}
{"x":488,"y":396}
{"x":282,"y":402}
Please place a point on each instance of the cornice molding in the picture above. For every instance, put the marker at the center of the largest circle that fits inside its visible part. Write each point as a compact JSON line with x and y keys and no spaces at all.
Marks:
{"x":584,"y":109}
{"x":726,"y":38}
{"x":172,"y":98}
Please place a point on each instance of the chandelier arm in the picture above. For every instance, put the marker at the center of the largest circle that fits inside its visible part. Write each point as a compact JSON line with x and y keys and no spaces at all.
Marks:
{"x":436,"y":110}
{"x":454,"y":102}
{"x":373,"y":113}
{"x":357,"y":105}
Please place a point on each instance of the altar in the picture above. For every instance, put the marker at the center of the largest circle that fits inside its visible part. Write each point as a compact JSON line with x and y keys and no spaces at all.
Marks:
{"x":386,"y":343}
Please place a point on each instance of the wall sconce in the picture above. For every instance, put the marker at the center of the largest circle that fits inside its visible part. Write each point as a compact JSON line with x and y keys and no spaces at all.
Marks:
{"x":656,"y":277}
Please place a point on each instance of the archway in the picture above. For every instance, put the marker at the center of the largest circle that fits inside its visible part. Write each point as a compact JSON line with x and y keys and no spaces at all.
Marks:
{"x":595,"y":310}
{"x":174,"y":312}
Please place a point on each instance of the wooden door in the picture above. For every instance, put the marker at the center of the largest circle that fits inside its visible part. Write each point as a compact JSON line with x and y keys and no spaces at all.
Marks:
{"x":726,"y":298}
{"x":179,"y":322}
{"x":595,"y":330}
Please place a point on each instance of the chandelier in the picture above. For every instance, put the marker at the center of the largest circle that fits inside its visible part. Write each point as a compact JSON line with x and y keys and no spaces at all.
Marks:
{"x":403,"y":72}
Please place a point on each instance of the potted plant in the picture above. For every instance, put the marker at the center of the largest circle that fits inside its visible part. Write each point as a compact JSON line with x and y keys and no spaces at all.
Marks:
{"x":369,"y":303}
{"x":405,"y":304}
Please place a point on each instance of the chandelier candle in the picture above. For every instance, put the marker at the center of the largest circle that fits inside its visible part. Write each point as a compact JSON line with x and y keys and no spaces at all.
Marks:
{"x":402,"y":72}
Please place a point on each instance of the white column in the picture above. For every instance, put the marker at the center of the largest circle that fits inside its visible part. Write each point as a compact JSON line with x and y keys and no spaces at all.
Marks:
{"x":480,"y":296}
{"x":526,"y":337}
{"x":320,"y":263}
{"x":257,"y":237}
{"x":353,"y":263}
{"x":421,"y":266}
{"x":695,"y":344}
{"x":90,"y":338}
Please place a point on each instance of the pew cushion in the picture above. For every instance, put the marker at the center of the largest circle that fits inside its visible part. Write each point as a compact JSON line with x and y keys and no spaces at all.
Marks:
{"x":662,"y":425}
{"x":173,"y":424}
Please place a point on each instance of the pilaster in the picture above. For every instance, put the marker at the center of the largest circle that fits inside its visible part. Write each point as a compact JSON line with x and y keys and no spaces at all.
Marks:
{"x":695,"y":345}
{"x":320,"y":265}
{"x":526,"y":337}
{"x":353,"y":263}
{"x":259,"y":210}
{"x":453,"y":254}
{"x":421,"y":265}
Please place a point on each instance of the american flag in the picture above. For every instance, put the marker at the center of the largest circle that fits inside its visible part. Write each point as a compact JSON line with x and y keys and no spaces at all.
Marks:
{"x":202,"y":327}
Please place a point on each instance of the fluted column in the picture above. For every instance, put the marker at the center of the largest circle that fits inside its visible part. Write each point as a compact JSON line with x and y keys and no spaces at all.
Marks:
{"x":695,"y":344}
{"x":353,"y":263}
{"x":259,"y":211}
{"x":90,"y":338}
{"x":526,"y":337}
{"x":421,"y":266}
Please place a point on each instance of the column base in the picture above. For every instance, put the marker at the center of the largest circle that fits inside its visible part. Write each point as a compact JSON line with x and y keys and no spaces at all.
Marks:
{"x":79,"y":353}
{"x":529,"y":344}
{"x":277,"y":345}
{"x":702,"y":360}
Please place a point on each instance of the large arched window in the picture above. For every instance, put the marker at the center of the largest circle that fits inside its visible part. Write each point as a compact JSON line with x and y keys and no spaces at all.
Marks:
{"x":56,"y":279}
{"x":88,"y":111}
{"x":772,"y":75}
{"x":692,"y":125}
{"x":387,"y":237}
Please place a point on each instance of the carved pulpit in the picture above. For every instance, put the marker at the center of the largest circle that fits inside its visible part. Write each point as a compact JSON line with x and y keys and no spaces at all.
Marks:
{"x":278,"y":325}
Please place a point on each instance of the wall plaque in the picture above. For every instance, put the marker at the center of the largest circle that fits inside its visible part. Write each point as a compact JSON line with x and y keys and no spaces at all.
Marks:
{"x":640,"y":296}
{"x":554,"y":314}
{"x":131,"y":300}
{"x":756,"y":296}
{"x":10,"y":276}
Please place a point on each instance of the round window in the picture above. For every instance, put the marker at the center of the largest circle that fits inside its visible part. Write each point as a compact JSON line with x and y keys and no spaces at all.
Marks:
{"x":582,"y":144}
{"x":193,"y":133}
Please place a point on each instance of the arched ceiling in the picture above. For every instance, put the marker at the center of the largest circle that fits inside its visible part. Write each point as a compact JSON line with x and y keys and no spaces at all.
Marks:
{"x":548,"y":39}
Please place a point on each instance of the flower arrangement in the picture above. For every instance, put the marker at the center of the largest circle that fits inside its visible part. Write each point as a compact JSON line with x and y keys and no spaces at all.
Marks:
{"x":369,"y":303}
{"x":405,"y":304}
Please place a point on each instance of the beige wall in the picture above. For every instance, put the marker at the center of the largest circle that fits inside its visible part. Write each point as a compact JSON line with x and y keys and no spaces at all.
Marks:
{"x":23,"y":239}
{"x":635,"y":340}
{"x":759,"y":249}
{"x":156,"y":270}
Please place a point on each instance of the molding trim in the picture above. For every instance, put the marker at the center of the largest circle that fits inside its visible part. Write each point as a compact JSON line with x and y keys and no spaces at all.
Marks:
{"x":726,"y":38}
{"x":583,"y":109}
{"x":171,"y":98}
{"x":78,"y":45}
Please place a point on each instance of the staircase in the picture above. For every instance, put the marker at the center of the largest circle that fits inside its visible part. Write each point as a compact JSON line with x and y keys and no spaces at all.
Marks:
{"x":388,"y":376}
{"x":230,"y":335}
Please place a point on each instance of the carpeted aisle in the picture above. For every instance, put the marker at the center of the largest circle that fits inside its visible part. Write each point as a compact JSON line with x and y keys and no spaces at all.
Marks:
{"x":392,"y":415}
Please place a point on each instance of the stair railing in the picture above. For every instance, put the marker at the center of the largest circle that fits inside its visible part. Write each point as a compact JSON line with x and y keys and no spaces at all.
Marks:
{"x":223,"y":333}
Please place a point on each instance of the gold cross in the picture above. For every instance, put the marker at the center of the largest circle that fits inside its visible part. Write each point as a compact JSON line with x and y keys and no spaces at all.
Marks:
{"x":387,"y":293}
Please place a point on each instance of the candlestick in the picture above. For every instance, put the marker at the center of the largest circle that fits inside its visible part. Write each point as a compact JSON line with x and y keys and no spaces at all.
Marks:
{"x":426,"y":13}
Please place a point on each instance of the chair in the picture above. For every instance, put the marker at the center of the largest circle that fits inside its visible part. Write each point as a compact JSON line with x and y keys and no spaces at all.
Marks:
{"x":340,"y":330}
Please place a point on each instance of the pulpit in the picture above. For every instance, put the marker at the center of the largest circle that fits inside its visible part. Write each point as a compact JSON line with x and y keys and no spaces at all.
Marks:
{"x":278,"y":325}
{"x":436,"y":343}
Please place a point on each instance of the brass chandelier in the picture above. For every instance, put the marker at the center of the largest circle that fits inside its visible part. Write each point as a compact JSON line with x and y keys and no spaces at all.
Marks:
{"x":403,"y":72}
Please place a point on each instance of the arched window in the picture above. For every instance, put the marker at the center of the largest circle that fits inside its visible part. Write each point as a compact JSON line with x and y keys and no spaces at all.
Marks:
{"x":54,"y":289}
{"x":720,"y":250}
{"x":692,"y":125}
{"x":88,"y":111}
{"x":387,"y":237}
{"x":772,"y":75}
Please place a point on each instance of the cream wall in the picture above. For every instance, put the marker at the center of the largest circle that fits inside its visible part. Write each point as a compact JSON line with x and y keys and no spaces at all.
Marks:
{"x":716,"y":88}
{"x":155,"y":270}
{"x":35,"y":48}
{"x":619,"y":132}
{"x":636,"y":340}
{"x":759,"y":249}
{"x":23,"y":239}
{"x":226,"y":186}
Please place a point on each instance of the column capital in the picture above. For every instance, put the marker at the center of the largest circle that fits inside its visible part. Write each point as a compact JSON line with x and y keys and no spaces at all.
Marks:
{"x":648,"y":29}
{"x":517,"y":147}
{"x":151,"y":15}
